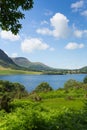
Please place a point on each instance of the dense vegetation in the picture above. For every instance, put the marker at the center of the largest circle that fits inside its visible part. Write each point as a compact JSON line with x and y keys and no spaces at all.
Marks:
{"x":63,"y":109}
{"x":43,"y":87}
{"x":85,"y":80}
{"x":10,"y":91}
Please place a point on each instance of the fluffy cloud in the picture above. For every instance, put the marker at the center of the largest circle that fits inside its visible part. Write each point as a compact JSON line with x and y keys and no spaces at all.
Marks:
{"x":84,"y":13}
{"x":44,"y":31}
{"x":74,"y":45}
{"x":80,"y":33}
{"x":59,"y":23}
{"x":32,"y":44}
{"x":14,"y":54}
{"x":9,"y":36}
{"x":77,"y":5}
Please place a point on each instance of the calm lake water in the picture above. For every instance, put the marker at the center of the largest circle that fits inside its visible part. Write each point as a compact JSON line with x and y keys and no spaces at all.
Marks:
{"x":31,"y":81}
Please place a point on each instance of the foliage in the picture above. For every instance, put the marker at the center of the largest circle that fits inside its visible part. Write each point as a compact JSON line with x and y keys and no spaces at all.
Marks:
{"x":11,"y":11}
{"x":43,"y":87}
{"x":54,"y":112}
{"x":4,"y":103}
{"x":23,"y":117}
{"x":72,"y":84}
{"x":9,"y":91}
{"x":12,"y":89}
{"x":85,"y":80}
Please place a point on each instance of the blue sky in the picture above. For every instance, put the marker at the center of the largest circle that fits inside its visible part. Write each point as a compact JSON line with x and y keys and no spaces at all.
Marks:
{"x":54,"y":32}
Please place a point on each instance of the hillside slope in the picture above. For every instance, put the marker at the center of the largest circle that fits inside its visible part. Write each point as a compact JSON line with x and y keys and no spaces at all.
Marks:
{"x":6,"y":61}
{"x":24,"y":62}
{"x":83,"y":69}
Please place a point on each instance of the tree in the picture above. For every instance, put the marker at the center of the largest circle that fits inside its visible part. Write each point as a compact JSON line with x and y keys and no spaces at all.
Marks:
{"x":43,"y":87}
{"x":85,"y":80}
{"x":71,"y":83}
{"x":11,"y":11}
{"x":4,"y":103}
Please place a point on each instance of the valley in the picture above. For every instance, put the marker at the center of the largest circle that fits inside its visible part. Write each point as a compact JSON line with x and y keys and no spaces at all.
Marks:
{"x":21,"y":65}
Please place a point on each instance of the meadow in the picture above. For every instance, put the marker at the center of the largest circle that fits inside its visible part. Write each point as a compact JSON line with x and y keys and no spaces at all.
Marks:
{"x":8,"y":71}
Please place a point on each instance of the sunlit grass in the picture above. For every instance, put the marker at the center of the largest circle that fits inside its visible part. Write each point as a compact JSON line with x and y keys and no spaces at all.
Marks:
{"x":60,"y":103}
{"x":8,"y":71}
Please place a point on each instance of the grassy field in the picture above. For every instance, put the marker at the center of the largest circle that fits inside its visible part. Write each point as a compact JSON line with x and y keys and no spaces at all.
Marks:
{"x":8,"y":71}
{"x":60,"y":103}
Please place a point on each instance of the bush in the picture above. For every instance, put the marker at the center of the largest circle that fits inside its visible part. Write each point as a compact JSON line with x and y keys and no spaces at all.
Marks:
{"x":4,"y":103}
{"x":15,"y":90}
{"x":43,"y":87}
{"x":72,"y":84}
{"x":85,"y":80}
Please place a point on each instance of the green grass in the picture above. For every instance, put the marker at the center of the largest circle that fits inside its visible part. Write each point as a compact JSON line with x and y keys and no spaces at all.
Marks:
{"x":72,"y":98}
{"x":60,"y":103}
{"x":55,"y":104}
{"x":8,"y":71}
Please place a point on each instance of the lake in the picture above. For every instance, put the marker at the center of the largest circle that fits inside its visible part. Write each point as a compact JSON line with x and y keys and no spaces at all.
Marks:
{"x":31,"y":81}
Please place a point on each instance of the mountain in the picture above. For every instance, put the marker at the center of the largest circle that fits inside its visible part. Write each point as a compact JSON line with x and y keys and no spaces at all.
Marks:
{"x":6,"y":61}
{"x":83,"y":69}
{"x":23,"y":63}
{"x":36,"y":66}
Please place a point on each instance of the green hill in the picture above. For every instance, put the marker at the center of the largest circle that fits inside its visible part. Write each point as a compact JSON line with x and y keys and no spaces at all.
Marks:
{"x":36,"y":66}
{"x":23,"y":63}
{"x":6,"y":61}
{"x":83,"y":70}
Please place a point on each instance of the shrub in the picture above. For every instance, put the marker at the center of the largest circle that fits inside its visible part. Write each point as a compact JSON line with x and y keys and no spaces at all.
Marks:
{"x":85,"y":80}
{"x":43,"y":87}
{"x":4,"y":103}
{"x":72,"y":84}
{"x":15,"y":90}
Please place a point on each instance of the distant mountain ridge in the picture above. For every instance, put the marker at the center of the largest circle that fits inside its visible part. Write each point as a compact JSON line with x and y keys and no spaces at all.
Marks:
{"x":21,"y":63}
{"x":6,"y":61}
{"x":83,"y":69}
{"x":24,"y":62}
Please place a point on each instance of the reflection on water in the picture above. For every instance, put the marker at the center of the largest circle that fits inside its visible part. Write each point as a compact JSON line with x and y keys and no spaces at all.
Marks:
{"x":31,"y":81}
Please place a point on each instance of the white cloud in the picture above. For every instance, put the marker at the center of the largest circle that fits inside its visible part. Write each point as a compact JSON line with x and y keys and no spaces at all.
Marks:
{"x":80,"y":33}
{"x":32,"y":44}
{"x":74,"y":45}
{"x":60,"y":26}
{"x":44,"y":31}
{"x":84,"y":13}
{"x":9,"y":36}
{"x":77,"y":5}
{"x":14,"y":54}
